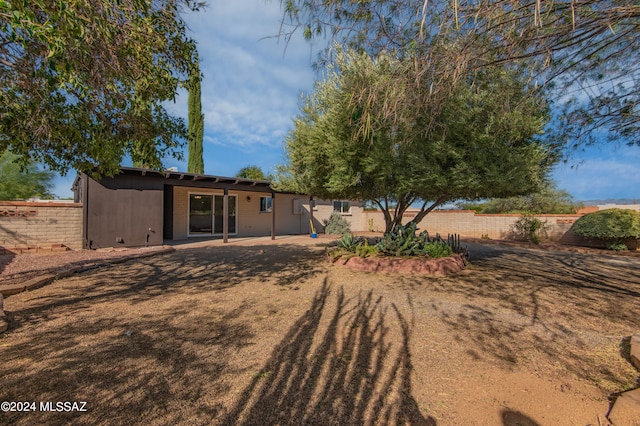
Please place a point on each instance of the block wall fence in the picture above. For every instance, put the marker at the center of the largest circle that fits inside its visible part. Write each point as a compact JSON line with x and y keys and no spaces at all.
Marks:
{"x":30,"y":226}
{"x":468,"y":223}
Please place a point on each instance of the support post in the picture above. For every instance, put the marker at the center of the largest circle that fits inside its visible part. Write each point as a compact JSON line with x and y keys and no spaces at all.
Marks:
{"x":273,"y":215}
{"x":225,"y":216}
{"x":311,"y":215}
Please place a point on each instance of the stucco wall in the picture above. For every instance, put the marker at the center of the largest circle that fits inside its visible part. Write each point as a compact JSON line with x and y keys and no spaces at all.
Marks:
{"x":40,"y":224}
{"x":291,"y":210}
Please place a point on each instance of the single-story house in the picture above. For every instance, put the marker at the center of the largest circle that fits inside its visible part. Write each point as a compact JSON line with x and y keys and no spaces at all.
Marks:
{"x":141,"y":207}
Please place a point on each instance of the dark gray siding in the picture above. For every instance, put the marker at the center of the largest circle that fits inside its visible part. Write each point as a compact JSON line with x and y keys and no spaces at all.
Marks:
{"x":124,"y":211}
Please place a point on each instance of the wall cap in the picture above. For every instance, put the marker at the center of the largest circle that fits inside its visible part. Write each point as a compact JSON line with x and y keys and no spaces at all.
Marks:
{"x":38,"y":204}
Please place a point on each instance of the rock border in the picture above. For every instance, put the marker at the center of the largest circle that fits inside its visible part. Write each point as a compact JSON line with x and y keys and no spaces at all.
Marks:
{"x":48,"y":278}
{"x":442,"y":266}
{"x":626,"y":408}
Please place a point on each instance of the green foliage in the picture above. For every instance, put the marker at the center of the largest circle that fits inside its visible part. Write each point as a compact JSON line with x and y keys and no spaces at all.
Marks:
{"x":348,"y":242}
{"x":403,"y":241}
{"x":143,"y":151}
{"x":85,"y":82}
{"x":17,"y":183}
{"x":336,"y":224}
{"x":352,"y":244}
{"x":613,"y":225}
{"x":363,"y":249}
{"x":585,"y":52}
{"x":195,"y":162}
{"x":617,"y":247}
{"x":371,"y":131}
{"x":529,"y":228}
{"x":340,"y":253}
{"x":437,"y":249}
{"x":548,"y":201}
{"x":252,"y":172}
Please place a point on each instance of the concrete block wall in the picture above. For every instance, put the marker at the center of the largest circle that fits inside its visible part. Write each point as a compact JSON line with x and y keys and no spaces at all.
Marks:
{"x":468,"y":223}
{"x":40,"y":224}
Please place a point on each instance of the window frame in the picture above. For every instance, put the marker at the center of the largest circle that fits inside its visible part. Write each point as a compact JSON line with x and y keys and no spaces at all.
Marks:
{"x":268,"y":204}
{"x":341,"y":209}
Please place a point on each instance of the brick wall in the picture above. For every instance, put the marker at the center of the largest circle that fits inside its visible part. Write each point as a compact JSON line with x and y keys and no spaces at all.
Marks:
{"x":468,"y":223}
{"x":26,"y":225}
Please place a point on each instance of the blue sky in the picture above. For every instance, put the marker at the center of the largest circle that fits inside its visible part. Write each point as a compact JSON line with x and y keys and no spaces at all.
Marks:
{"x":251,"y":90}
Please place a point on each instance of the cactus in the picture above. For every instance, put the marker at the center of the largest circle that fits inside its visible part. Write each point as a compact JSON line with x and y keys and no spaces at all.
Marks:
{"x":403,"y":241}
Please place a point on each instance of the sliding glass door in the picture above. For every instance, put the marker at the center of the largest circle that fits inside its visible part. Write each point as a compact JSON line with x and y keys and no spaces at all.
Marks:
{"x":206,"y":214}
{"x":218,"y":213}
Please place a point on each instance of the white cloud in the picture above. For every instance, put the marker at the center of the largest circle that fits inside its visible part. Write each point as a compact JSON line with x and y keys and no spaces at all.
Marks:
{"x":604,"y":171}
{"x":251,"y":87}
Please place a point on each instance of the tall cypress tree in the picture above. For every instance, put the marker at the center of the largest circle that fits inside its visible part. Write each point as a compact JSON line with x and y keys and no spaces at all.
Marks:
{"x":196,"y":122}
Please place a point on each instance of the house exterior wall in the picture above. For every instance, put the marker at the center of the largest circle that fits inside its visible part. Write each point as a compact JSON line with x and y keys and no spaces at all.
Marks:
{"x":40,"y":224}
{"x":125,"y":211}
{"x":291,"y":210}
{"x":356,"y":215}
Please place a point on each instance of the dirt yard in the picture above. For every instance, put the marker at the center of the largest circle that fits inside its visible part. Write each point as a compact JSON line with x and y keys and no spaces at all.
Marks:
{"x":273,"y":334}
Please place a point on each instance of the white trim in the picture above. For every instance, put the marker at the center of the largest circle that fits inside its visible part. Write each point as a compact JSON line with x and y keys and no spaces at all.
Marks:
{"x":213,"y":217}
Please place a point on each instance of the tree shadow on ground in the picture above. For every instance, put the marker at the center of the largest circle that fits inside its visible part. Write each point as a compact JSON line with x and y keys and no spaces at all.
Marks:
{"x":145,"y":370}
{"x":161,"y":357}
{"x":188,"y":272}
{"x":5,"y":259}
{"x":516,"y":418}
{"x":354,"y":369}
{"x":521,"y":305}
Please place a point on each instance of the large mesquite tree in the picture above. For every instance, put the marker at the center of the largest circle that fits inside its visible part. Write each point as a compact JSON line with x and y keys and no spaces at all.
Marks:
{"x":83,"y":83}
{"x":368,"y":132}
{"x":587,"y":49}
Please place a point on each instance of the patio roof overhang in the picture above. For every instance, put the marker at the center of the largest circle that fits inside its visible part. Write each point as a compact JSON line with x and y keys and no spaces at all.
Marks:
{"x":176,"y":178}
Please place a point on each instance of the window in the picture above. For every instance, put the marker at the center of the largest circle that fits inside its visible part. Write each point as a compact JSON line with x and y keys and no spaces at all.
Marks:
{"x":341,"y":206}
{"x":265,"y":204}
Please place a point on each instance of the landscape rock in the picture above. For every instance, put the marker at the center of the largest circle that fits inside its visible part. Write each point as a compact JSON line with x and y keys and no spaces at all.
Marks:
{"x":626,"y":409}
{"x":635,"y":351}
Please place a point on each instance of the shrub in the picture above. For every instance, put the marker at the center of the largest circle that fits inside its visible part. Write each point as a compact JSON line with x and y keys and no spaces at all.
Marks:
{"x":349,"y":245}
{"x":617,"y":247}
{"x":612,"y":225}
{"x":363,"y":249}
{"x":348,"y":242}
{"x":403,"y":241}
{"x":336,"y":224}
{"x":438,"y":249}
{"x":529,"y":228}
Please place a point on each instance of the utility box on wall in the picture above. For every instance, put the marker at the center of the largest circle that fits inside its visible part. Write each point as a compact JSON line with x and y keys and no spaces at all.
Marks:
{"x":297,"y":206}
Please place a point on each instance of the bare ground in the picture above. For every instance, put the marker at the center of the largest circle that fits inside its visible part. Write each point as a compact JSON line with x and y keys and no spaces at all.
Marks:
{"x":272,"y":334}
